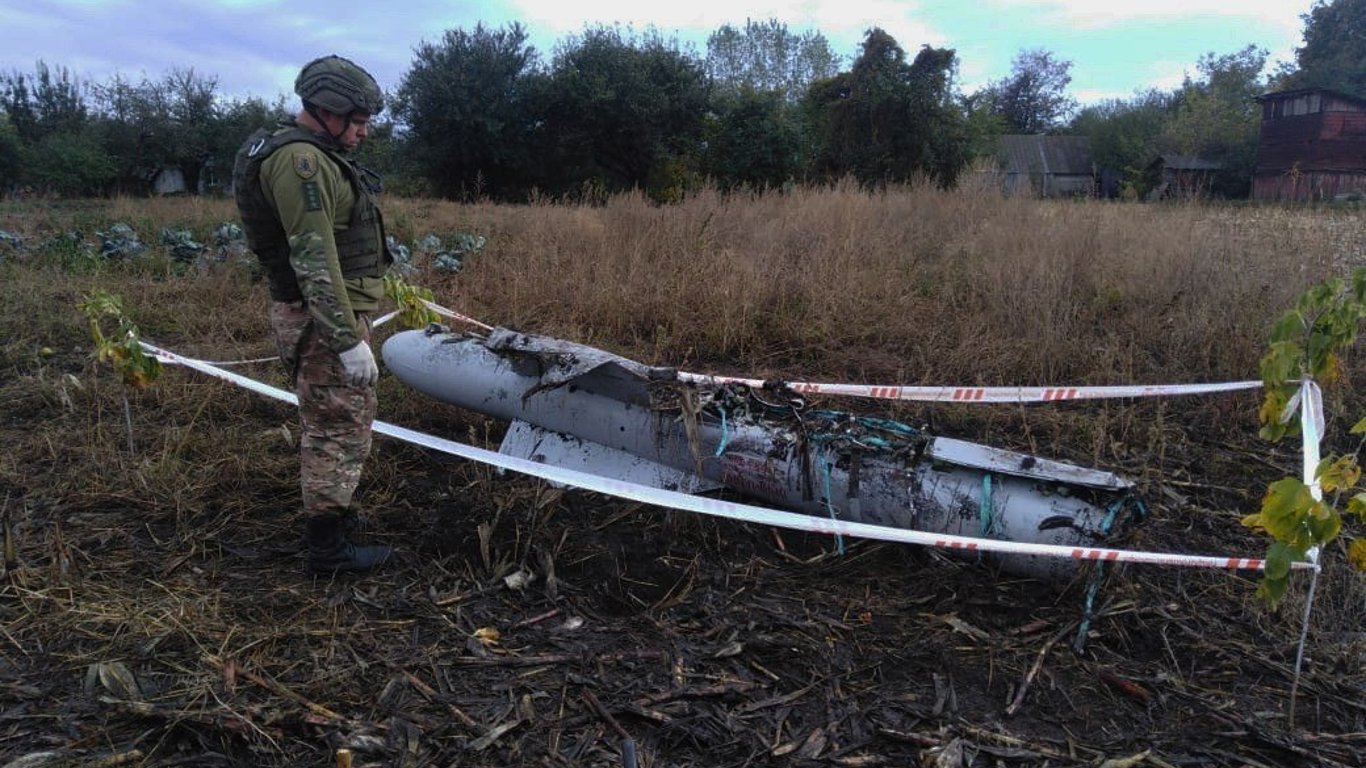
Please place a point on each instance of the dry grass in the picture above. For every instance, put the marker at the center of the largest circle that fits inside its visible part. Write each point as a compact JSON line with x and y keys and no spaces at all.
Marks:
{"x":177,"y":560}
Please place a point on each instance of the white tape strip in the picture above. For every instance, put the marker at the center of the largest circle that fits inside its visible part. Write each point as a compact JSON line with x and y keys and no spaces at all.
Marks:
{"x":947,"y":394}
{"x":1311,"y":429}
{"x":985,"y":394}
{"x":731,"y":510}
{"x":440,"y":310}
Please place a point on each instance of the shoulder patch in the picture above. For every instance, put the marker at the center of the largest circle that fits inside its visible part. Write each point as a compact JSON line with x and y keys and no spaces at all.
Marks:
{"x":306,"y":164}
{"x":313,"y":199}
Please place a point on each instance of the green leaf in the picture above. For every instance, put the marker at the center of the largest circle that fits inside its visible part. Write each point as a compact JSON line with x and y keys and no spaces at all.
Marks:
{"x":1278,"y":560}
{"x":1359,"y":428}
{"x":1273,"y":432}
{"x":1338,"y":473}
{"x":1289,"y":328}
{"x":1284,"y":509}
{"x":1357,"y":506}
{"x":1323,"y":523}
{"x":1356,"y":554}
{"x":1272,"y":590}
{"x":1281,"y":363}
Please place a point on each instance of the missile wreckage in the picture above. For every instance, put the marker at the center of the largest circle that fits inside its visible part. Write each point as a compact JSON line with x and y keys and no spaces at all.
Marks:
{"x":586,"y":409}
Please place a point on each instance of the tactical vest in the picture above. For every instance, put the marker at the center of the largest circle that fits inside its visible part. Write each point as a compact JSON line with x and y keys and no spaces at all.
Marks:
{"x":360,"y":247}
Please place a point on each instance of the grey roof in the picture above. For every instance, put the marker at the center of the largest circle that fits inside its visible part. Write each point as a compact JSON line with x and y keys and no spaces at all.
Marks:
{"x":1290,"y":94}
{"x":1185,"y":163}
{"x":1066,"y":155}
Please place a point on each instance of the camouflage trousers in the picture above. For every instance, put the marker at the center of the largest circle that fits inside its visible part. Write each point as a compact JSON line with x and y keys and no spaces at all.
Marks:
{"x":336,"y":418}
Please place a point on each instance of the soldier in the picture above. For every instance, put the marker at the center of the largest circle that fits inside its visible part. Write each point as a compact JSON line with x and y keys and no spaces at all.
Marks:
{"x":311,"y":217}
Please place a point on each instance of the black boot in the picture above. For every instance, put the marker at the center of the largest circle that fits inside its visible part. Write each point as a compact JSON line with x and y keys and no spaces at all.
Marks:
{"x":329,"y":549}
{"x":352,"y":523}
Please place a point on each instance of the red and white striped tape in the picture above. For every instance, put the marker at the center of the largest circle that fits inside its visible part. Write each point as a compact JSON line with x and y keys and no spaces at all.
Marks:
{"x":945,"y":394}
{"x":452,"y":314}
{"x":984,"y":394}
{"x":731,"y":510}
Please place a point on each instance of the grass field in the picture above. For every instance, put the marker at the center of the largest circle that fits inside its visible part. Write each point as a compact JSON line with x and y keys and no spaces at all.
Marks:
{"x":157,"y":611}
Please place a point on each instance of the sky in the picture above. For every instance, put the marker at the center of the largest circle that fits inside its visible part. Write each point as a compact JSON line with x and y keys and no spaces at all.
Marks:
{"x":255,"y":47}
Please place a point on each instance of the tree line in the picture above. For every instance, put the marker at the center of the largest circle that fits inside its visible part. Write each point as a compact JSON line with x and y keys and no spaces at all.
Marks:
{"x":480,"y":115}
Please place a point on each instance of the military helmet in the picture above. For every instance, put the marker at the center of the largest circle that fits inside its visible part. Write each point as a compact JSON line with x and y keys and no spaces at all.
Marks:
{"x":339,"y":85}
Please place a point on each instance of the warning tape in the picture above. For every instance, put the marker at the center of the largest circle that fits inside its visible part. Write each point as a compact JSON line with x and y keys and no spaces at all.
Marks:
{"x":983,"y":394}
{"x":440,"y":310}
{"x":943,"y":394}
{"x":734,"y":511}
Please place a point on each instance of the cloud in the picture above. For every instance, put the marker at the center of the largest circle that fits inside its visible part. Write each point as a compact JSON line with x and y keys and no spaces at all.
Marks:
{"x":843,"y":22}
{"x":1101,"y":13}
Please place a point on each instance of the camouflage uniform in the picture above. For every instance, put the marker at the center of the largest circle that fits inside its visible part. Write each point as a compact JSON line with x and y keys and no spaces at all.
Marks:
{"x":310,"y":215}
{"x":336,"y":417}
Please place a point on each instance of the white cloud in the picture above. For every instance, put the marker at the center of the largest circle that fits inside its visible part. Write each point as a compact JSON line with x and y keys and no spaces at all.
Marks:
{"x":1104,"y":13}
{"x":842,"y":21}
{"x":1167,"y":75}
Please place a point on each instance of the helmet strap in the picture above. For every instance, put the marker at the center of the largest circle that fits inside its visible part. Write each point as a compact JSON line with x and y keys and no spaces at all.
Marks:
{"x":312,"y":109}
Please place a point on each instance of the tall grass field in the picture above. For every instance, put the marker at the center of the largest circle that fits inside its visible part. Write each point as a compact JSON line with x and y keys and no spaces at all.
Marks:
{"x":155,"y":603}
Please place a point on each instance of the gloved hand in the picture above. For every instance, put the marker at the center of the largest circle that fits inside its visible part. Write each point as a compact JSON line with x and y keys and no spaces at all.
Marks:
{"x":359,"y":363}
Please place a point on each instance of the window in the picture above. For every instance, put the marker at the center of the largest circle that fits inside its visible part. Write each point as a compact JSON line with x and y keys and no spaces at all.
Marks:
{"x":1300,"y":105}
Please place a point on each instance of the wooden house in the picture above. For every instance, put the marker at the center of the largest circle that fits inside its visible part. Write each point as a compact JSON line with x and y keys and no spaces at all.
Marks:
{"x":1179,"y":176}
{"x":1047,"y":166}
{"x":1312,"y":146}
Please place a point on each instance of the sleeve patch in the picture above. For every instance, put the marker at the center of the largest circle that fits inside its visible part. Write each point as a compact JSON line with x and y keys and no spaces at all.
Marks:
{"x":305,"y":164}
{"x":313,"y":199}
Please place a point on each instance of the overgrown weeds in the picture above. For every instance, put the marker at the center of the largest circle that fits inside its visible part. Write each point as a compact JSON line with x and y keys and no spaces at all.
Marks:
{"x":177,"y":560}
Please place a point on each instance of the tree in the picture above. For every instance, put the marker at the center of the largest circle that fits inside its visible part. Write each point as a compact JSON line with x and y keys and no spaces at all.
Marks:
{"x":765,"y":56}
{"x":752,"y":139}
{"x":193,"y":117}
{"x":466,"y":105}
{"x":886,"y":119}
{"x":132,"y":119}
{"x":72,"y":163}
{"x":1033,"y":99}
{"x":1334,"y":51}
{"x":1308,"y":344}
{"x":10,"y":153}
{"x":1125,"y":134}
{"x":60,"y":149}
{"x":234,"y":120}
{"x":1218,"y":118}
{"x":44,"y":102}
{"x":620,"y":113}
{"x":982,"y":127}
{"x":172,"y":122}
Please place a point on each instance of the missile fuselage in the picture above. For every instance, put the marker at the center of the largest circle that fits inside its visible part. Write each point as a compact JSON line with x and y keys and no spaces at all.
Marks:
{"x":584,"y":408}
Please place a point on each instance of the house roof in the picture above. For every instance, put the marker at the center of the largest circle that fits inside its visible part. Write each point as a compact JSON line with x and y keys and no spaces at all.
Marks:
{"x":1065,"y":155}
{"x":1276,"y":95}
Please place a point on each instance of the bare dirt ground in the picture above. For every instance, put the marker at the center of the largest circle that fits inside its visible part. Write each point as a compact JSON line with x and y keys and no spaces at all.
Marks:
{"x":156,"y":612}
